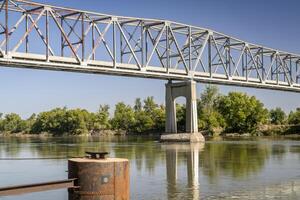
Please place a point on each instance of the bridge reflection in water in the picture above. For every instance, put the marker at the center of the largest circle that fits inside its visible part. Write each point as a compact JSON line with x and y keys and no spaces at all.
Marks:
{"x":191,"y":151}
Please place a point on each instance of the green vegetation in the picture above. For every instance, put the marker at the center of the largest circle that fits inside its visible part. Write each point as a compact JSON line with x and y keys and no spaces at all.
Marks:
{"x":209,"y":114}
{"x":294,"y":117}
{"x":232,"y":113}
{"x":12,"y":123}
{"x":242,"y":113}
{"x":277,"y":116}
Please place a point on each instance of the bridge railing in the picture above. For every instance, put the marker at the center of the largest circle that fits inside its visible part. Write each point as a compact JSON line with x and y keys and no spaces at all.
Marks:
{"x":39,"y":35}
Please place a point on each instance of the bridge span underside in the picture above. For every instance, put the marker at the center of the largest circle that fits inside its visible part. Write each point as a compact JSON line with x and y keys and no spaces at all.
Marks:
{"x":34,"y":35}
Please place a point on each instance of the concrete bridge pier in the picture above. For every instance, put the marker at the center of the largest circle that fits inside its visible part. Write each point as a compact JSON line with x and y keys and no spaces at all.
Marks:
{"x":188,"y":90}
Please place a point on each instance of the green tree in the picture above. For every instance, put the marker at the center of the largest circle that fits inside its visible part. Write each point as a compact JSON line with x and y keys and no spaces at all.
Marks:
{"x":76,"y":122}
{"x":277,"y":116}
{"x":149,"y":105}
{"x":123,"y":117}
{"x":50,"y":121}
{"x":209,"y":98}
{"x":150,"y":118}
{"x":242,"y":113}
{"x":159,"y":118}
{"x":209,"y":117}
{"x":62,"y":121}
{"x":29,"y":123}
{"x":101,"y":119}
{"x":294,"y":117}
{"x":181,"y":117}
{"x":137,"y":105}
{"x":143,"y":122}
{"x":13,"y":123}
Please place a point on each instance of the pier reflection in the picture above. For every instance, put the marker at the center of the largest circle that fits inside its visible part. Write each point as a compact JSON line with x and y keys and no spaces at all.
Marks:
{"x":186,"y":155}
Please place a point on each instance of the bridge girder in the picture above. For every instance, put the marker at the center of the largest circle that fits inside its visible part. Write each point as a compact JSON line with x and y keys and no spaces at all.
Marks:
{"x":34,"y":35}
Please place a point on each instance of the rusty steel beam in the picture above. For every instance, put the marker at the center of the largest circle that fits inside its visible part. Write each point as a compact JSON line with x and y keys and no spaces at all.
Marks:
{"x":37,"y":187}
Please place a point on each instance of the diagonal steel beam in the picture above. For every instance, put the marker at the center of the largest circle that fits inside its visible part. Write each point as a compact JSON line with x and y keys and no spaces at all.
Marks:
{"x":35,"y":25}
{"x":179,"y":50}
{"x":13,"y":29}
{"x":65,"y":36}
{"x":215,"y":44}
{"x":270,"y":67}
{"x":28,"y":31}
{"x":104,"y":42}
{"x":283,"y":67}
{"x":201,"y":51}
{"x":128,"y":43}
{"x":156,"y":43}
{"x":255,"y":64}
{"x":239,"y":60}
{"x":99,"y":40}
{"x":153,"y":41}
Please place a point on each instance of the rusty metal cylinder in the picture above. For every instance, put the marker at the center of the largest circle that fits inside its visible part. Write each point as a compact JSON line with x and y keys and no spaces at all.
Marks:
{"x":105,"y":179}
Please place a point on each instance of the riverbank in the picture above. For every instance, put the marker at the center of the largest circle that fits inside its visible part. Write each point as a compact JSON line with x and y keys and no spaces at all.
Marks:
{"x":269,"y":130}
{"x":264,"y":130}
{"x":103,"y":133}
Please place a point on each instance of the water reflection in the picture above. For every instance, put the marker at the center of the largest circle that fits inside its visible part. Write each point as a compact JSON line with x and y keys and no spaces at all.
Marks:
{"x":237,"y":160}
{"x":168,"y":171}
{"x":191,"y":151}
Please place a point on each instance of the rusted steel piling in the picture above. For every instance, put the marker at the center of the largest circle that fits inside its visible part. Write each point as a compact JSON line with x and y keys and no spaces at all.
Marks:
{"x":98,"y":178}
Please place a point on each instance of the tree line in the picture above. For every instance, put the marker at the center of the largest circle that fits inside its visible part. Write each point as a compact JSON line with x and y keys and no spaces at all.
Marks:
{"x":235,"y":112}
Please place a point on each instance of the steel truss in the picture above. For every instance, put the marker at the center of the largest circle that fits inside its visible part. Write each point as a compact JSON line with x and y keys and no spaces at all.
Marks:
{"x":34,"y":35}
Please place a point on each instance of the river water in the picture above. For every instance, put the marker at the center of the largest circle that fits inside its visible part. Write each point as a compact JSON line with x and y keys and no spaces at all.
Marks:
{"x":254,"y":168}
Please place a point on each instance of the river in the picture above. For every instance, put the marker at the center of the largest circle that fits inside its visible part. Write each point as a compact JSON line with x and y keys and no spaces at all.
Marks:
{"x":253,"y":168}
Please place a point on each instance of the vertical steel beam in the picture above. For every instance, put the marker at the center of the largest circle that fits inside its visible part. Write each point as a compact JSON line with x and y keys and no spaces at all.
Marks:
{"x":168,"y":48}
{"x":297,"y":73}
{"x":243,"y":63}
{"x":277,"y":71}
{"x":290,"y":70}
{"x":142,"y":44}
{"x":190,"y":48}
{"x":273,"y":57}
{"x":146,"y":44}
{"x":27,"y":38}
{"x":228,"y":57}
{"x":121,"y":46}
{"x":93,"y":40}
{"x":209,"y":57}
{"x":62,"y":37}
{"x":263,"y":69}
{"x":115,"y":44}
{"x":82,"y":38}
{"x":47,"y":35}
{"x":6,"y":28}
{"x":246,"y":64}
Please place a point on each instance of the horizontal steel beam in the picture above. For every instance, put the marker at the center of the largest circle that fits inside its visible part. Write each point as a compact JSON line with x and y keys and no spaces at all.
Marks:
{"x":107,"y":68}
{"x":37,"y":187}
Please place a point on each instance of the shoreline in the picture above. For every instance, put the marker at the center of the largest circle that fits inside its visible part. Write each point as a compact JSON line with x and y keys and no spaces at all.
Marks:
{"x":264,"y":130}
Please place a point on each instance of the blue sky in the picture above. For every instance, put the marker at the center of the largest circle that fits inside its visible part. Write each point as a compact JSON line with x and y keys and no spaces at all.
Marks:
{"x":271,"y":23}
